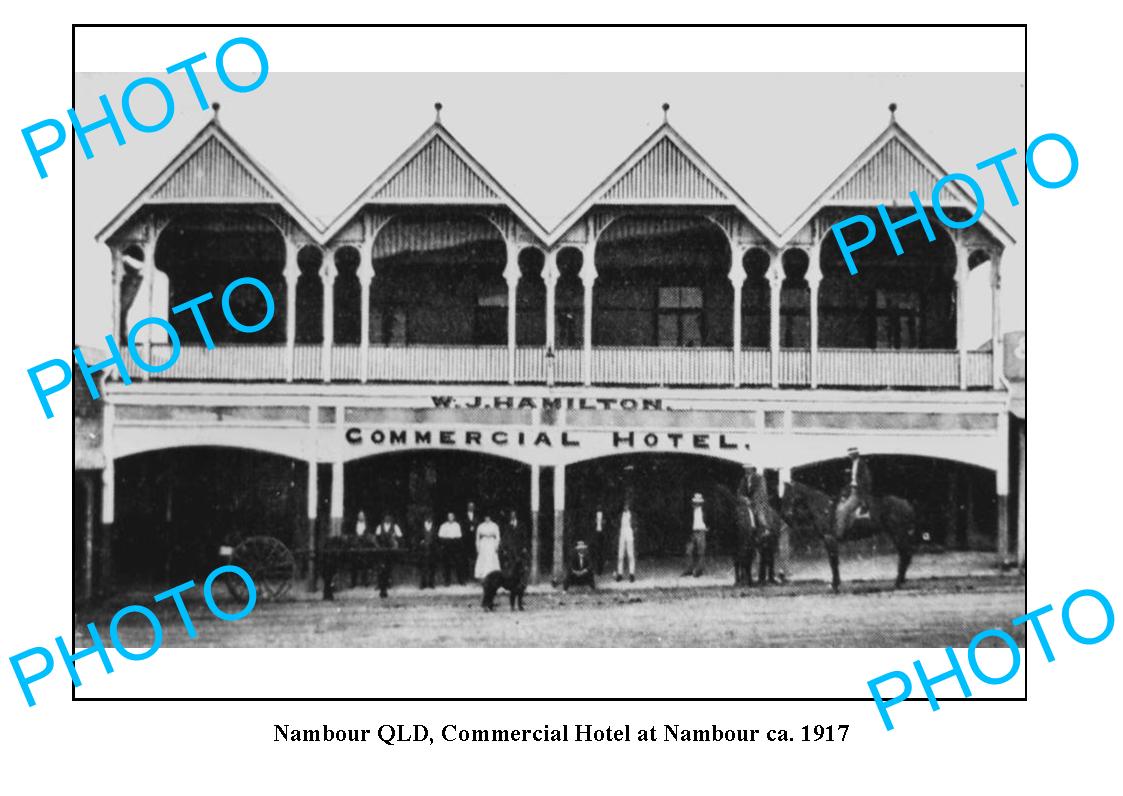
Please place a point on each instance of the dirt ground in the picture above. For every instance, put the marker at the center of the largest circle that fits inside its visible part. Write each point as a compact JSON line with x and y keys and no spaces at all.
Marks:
{"x":657,"y":611}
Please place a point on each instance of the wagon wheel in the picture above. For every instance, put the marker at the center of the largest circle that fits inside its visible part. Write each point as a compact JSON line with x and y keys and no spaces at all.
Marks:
{"x":269,"y":563}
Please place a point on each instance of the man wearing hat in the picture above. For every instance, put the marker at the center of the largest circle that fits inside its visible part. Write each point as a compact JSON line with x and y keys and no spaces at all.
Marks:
{"x":696,"y":547}
{"x":855,"y":497}
{"x":580,"y":568}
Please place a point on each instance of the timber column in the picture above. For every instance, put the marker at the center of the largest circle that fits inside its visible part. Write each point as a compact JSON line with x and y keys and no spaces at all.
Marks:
{"x":775,"y":285}
{"x":996,"y":348}
{"x":535,"y":521}
{"x":108,"y":481}
{"x":1022,"y":495}
{"x":327,"y":278}
{"x":588,"y":276}
{"x":737,"y":279}
{"x":511,"y":274}
{"x":89,"y":526}
{"x":1002,"y":490}
{"x":814,"y":277}
{"x":559,"y":524}
{"x":313,"y":502}
{"x":292,"y":275}
{"x":961,"y":273}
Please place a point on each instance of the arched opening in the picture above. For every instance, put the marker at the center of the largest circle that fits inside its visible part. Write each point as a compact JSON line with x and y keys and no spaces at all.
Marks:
{"x":895,"y":301}
{"x":663,"y":281}
{"x":202,"y":252}
{"x":955,"y":503}
{"x":756,"y":300}
{"x":530,"y":305}
{"x":411,"y":484}
{"x":978,"y":309}
{"x":569,"y":300}
{"x":175,"y":507}
{"x":131,"y":279}
{"x":662,"y":486}
{"x":309,"y":296}
{"x":795,"y":301}
{"x":439,"y":280}
{"x":346,"y":297}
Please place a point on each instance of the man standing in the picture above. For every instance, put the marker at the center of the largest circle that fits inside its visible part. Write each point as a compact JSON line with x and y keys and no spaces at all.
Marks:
{"x":387,"y":539}
{"x":626,"y":546}
{"x":450,"y":540}
{"x":854,"y":503}
{"x":696,"y":547}
{"x":511,"y":542}
{"x":468,"y":553}
{"x":428,"y":550}
{"x":598,"y":542}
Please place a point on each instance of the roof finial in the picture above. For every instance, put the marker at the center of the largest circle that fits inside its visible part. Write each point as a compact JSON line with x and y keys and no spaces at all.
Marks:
{"x":438,"y":107}
{"x":666,"y":107}
{"x":892,"y":111}
{"x":214,"y":107}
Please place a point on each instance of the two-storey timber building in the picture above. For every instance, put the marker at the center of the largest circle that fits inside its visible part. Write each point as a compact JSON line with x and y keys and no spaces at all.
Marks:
{"x":435,"y":344}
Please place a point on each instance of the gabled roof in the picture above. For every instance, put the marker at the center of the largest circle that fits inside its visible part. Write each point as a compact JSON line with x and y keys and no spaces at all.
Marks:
{"x":884,"y":173}
{"x":435,"y":169}
{"x":212,"y":167}
{"x":665,"y":169}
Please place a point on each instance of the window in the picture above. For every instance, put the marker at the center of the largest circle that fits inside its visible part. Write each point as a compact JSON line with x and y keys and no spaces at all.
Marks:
{"x":570,"y":314}
{"x":491,"y":314}
{"x":679,"y":313}
{"x":388,"y":325}
{"x":898,"y":316}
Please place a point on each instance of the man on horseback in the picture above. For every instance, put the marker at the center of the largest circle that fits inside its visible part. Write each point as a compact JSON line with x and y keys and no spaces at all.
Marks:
{"x":854,"y":502}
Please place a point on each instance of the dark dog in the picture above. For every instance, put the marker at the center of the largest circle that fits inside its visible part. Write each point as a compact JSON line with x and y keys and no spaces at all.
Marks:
{"x":513,"y":580}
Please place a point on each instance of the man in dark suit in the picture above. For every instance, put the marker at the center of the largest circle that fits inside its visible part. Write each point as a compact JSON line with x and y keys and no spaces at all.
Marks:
{"x":427,"y":550}
{"x":580,"y":570}
{"x":468,"y":541}
{"x":387,"y":540}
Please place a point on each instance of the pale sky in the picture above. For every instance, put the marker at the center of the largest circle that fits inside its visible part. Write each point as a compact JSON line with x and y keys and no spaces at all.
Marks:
{"x":550,"y":138}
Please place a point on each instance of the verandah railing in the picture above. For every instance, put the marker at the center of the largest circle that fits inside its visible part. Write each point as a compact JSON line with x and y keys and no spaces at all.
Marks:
{"x":638,"y":366}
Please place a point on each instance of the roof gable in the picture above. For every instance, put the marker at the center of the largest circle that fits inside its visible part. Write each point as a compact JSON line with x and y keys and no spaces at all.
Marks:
{"x":665,"y":172}
{"x":665,"y":169}
{"x":892,"y":166}
{"x":212,"y":172}
{"x":889,"y":175}
{"x":435,"y":169}
{"x":435,"y":172}
{"x":212,"y":167}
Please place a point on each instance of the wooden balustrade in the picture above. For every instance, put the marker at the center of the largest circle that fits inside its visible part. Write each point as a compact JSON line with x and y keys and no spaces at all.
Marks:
{"x":640,"y":366}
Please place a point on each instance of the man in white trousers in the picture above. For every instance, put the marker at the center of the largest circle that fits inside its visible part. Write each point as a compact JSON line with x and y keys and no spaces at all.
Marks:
{"x":626,"y":546}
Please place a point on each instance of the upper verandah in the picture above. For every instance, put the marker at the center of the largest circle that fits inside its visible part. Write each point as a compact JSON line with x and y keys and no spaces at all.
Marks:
{"x":436,"y":170}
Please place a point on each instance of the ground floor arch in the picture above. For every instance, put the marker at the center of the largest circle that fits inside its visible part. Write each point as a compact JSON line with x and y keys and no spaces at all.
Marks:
{"x":410,"y":485}
{"x":176,"y":507}
{"x":957,"y":505}
{"x":662,"y":485}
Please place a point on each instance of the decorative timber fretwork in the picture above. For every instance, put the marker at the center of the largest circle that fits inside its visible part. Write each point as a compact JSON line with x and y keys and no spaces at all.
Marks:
{"x":435,"y":172}
{"x":212,"y":172}
{"x":664,"y":173}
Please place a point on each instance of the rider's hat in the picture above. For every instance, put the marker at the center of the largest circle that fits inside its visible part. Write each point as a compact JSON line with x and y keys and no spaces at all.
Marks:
{"x":697,"y":500}
{"x":852,"y":450}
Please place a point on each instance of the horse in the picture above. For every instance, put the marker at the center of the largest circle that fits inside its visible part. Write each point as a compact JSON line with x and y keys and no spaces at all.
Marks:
{"x":751,"y":537}
{"x":889,"y":516}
